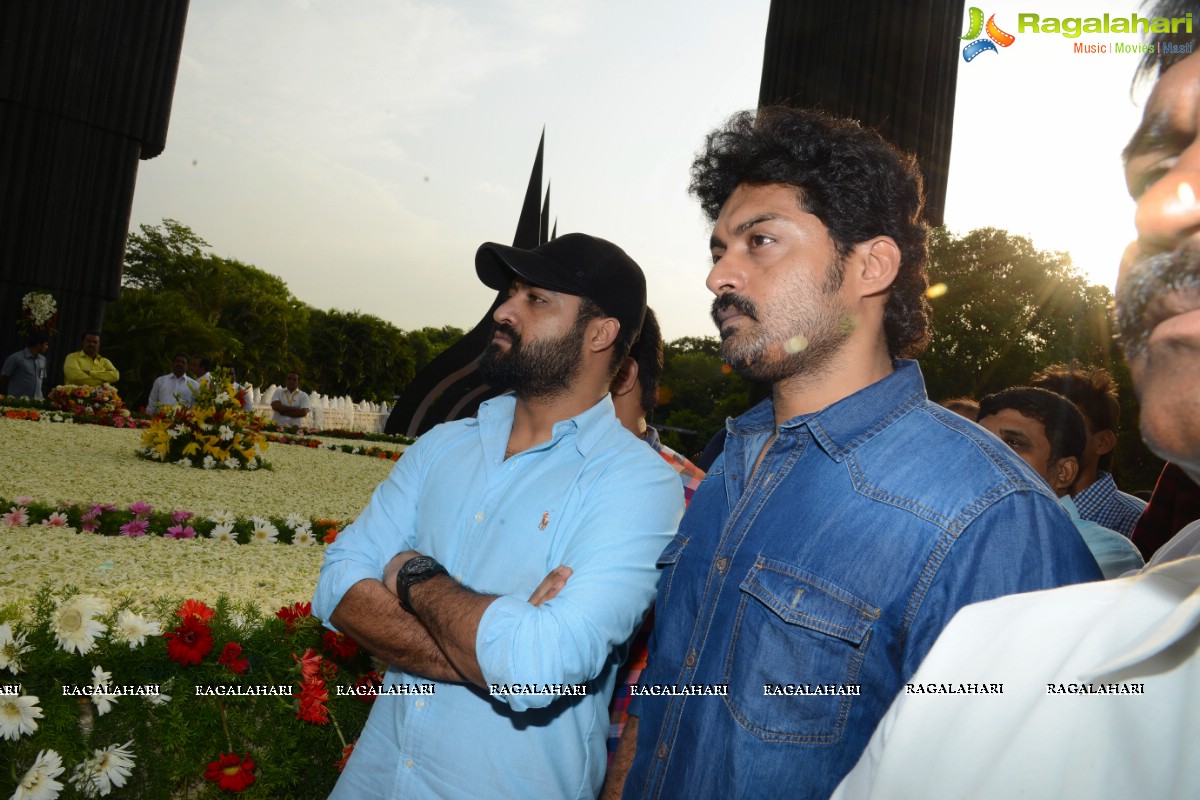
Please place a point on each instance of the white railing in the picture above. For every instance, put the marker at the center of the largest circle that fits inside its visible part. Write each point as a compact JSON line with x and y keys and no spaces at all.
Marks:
{"x":329,"y":413}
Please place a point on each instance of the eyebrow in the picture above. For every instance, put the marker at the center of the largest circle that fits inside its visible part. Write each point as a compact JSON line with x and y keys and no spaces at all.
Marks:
{"x":714,"y":242}
{"x":1156,"y":134}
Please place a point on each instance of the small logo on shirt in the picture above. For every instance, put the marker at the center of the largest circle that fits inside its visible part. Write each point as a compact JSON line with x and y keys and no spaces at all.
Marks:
{"x":545,"y":521}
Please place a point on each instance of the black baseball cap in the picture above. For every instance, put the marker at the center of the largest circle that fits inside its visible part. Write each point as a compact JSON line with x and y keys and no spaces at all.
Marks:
{"x":577,"y":264}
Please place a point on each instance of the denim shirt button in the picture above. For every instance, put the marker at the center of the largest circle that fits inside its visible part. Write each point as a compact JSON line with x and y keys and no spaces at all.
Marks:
{"x":722,"y":564}
{"x":662,"y":752}
{"x":690,"y":661}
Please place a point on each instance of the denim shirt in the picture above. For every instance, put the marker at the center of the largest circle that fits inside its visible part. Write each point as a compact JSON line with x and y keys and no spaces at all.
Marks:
{"x":835,"y":565}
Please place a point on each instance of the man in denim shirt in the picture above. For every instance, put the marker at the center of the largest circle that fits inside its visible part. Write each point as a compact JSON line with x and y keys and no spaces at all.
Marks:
{"x":849,"y":517}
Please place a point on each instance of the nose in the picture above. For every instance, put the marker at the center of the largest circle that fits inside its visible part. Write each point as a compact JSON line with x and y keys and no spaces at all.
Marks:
{"x":727,"y":275}
{"x":1168,"y":213}
{"x":505,"y":311}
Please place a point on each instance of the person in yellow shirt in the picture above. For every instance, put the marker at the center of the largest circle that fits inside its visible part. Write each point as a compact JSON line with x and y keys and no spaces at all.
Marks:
{"x":87,"y":367}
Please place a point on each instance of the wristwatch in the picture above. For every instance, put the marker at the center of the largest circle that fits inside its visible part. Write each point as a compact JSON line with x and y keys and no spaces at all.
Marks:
{"x":417,"y":569}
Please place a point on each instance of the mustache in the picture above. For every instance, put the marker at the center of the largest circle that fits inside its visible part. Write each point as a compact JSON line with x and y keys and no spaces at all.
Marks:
{"x":1157,"y":288}
{"x":743,"y":305}
{"x":507,"y":330}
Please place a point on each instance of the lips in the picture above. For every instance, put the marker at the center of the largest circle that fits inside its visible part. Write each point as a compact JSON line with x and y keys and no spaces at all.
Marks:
{"x":729,"y":306}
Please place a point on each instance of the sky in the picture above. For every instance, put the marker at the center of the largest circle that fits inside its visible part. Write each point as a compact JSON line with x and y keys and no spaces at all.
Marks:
{"x":363,"y":151}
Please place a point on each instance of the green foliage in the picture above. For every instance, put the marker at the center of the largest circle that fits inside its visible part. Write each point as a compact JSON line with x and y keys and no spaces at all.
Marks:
{"x":179,"y":297}
{"x":697,"y":393}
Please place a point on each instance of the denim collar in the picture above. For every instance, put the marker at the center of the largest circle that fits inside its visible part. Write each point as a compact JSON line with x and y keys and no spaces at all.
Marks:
{"x":850,"y":422}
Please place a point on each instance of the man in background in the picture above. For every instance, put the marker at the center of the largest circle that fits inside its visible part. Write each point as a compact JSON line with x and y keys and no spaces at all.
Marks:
{"x":24,"y":371}
{"x":1095,"y":493}
{"x":290,"y":404}
{"x":87,"y":367}
{"x":174,"y":388}
{"x":1047,"y":431}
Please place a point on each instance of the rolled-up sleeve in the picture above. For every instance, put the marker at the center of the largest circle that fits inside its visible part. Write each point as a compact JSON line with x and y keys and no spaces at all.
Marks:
{"x":386,"y":527}
{"x":629,"y":517}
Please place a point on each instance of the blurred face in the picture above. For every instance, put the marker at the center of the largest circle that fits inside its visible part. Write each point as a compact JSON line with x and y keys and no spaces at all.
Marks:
{"x":1025,"y":435}
{"x":195,"y":365}
{"x":91,"y":345}
{"x":537,"y":343}
{"x":292,"y":381}
{"x":777,"y":275}
{"x":1158,"y":291}
{"x":179,"y":365}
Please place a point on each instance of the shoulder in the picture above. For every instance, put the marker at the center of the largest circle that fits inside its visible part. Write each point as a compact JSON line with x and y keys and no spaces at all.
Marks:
{"x":954,"y":469}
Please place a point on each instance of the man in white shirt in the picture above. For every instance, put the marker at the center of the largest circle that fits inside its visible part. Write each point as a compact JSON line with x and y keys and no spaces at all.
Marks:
{"x":174,"y":388}
{"x":289,"y":403}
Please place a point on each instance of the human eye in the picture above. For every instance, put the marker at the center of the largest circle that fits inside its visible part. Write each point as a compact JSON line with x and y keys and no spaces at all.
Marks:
{"x":1143,"y":176}
{"x":757,"y":240}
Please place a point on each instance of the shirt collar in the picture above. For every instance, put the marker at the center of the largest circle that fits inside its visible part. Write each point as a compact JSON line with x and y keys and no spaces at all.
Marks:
{"x":1102,"y":487}
{"x":590,"y":426}
{"x":850,"y":422}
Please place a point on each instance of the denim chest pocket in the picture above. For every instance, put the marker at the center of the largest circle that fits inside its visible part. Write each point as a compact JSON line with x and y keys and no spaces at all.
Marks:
{"x":795,"y":653}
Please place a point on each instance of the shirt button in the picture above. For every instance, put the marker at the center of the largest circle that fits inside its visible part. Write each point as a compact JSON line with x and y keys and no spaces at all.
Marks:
{"x":420,"y":704}
{"x":409,"y":763}
{"x":722,"y":564}
{"x":662,"y":751}
{"x":479,"y":517}
{"x":690,"y":661}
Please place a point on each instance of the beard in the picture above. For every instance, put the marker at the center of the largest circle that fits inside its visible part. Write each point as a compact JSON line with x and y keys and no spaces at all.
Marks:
{"x":538,"y":370}
{"x":1145,"y":298}
{"x":816,"y":329}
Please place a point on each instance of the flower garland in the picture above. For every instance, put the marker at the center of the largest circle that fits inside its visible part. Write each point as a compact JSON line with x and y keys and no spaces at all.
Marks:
{"x":152,"y":700}
{"x":39,"y":312}
{"x":215,"y":432}
{"x":140,"y":519}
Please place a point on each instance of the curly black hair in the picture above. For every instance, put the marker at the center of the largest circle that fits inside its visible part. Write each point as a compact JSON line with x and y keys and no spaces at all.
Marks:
{"x":647,"y":351}
{"x":847,"y":176}
{"x":1156,"y":61}
{"x":1059,"y":416}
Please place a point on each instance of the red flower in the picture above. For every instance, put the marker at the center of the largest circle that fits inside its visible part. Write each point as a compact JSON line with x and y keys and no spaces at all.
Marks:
{"x":190,"y":642}
{"x":330,"y":536}
{"x":229,"y":657}
{"x":339,"y":645}
{"x":346,"y":751}
{"x":230,"y":772}
{"x":194,"y":608}
{"x":312,"y":700}
{"x":365,"y":687}
{"x":294,"y":613}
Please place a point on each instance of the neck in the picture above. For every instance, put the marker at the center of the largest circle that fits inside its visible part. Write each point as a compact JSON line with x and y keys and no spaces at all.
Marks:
{"x":855,"y":367}
{"x":1086,"y":478}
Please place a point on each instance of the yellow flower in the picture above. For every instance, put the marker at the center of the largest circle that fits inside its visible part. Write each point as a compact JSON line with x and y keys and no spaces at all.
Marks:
{"x":191,"y":448}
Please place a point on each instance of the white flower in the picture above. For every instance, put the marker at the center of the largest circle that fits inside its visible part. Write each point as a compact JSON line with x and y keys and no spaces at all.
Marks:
{"x":39,"y":783}
{"x":264,"y":532}
{"x":224,"y":518}
{"x":11,"y":649}
{"x":184,"y":462}
{"x":17,"y":715}
{"x":295,"y":521}
{"x":106,"y":768}
{"x":104,"y":700}
{"x":209,"y":462}
{"x":222,"y":397}
{"x":56,"y":520}
{"x":223,"y":533}
{"x":226,"y":433}
{"x":75,"y":625}
{"x":252,"y":464}
{"x":134,"y":628}
{"x":232,"y":463}
{"x":304,"y":537}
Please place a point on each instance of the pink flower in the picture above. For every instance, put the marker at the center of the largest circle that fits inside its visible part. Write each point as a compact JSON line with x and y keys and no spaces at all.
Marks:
{"x":15,"y":518}
{"x":23,"y":500}
{"x":179,"y":515}
{"x":180,"y":532}
{"x":141,"y":509}
{"x":57,"y":520}
{"x":136,"y":527}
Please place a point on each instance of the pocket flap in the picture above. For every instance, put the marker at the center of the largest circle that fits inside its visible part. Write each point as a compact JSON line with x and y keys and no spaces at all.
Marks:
{"x":801,"y":598}
{"x":672,"y":551}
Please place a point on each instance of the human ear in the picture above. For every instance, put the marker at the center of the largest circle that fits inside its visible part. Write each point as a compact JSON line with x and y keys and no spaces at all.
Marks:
{"x":878,"y":264}
{"x":1063,"y":474}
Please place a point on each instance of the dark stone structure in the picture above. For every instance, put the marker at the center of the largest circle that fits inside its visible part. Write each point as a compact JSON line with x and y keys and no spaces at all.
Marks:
{"x":892,"y":65}
{"x":85,"y":92}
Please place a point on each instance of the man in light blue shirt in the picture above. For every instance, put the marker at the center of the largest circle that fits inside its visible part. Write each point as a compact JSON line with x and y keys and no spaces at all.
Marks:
{"x":445,"y":573}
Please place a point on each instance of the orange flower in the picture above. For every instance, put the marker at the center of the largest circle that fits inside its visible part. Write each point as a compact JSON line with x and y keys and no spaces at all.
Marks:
{"x":346,"y":751}
{"x":194,"y":608}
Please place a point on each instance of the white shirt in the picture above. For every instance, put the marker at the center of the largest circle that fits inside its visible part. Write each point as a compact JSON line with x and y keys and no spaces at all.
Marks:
{"x":296,"y":399}
{"x":169,"y":390}
{"x":1140,"y":632}
{"x":1186,"y":542}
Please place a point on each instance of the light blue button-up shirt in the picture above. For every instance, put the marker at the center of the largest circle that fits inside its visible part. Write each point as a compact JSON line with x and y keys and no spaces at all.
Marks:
{"x":593,"y":498}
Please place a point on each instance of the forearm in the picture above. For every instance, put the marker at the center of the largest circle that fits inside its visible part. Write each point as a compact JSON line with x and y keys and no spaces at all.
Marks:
{"x":106,"y":374}
{"x":614,"y":781}
{"x":451,"y":613}
{"x":372,"y":616}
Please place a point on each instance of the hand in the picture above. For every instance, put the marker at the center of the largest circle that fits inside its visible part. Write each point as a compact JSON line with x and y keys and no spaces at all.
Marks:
{"x":393,"y":567}
{"x":550,"y":586}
